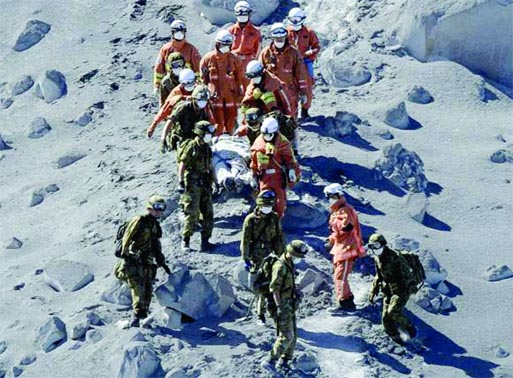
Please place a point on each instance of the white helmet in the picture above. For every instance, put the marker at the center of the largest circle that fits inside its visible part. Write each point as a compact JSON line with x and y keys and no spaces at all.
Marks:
{"x":269,"y":126}
{"x":254,"y":68}
{"x":278,"y":30}
{"x":333,"y":189}
{"x":187,"y":76}
{"x":178,"y":25}
{"x":242,"y":8}
{"x":296,"y":16}
{"x":224,"y":37}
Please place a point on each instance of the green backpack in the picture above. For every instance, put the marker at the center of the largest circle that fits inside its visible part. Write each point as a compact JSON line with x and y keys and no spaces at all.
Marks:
{"x":287,"y":124}
{"x":414,"y":273}
{"x":264,"y":274}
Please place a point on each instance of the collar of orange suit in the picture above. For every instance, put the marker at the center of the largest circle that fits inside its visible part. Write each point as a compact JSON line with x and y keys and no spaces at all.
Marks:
{"x":337,"y":205}
{"x":178,"y":44}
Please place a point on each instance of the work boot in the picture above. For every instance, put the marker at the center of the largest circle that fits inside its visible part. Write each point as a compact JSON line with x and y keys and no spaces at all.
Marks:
{"x":261,"y":319}
{"x":347,"y":304}
{"x":134,"y":321}
{"x":186,"y":241}
{"x":304,"y":113}
{"x":268,"y":364}
{"x":206,"y":245}
{"x":283,"y":366}
{"x":397,"y":339}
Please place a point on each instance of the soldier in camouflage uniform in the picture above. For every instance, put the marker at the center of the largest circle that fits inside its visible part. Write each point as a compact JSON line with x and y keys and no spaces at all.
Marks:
{"x":141,"y":254}
{"x":184,"y":117}
{"x":251,"y":128}
{"x":283,"y":289}
{"x":391,"y":278}
{"x":262,"y":235}
{"x":196,"y":176}
{"x":176,"y":63}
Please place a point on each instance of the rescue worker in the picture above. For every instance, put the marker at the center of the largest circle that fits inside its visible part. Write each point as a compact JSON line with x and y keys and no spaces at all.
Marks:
{"x":391,"y":278}
{"x":196,"y":176}
{"x":222,"y":72}
{"x":283,"y":60}
{"x":176,"y":63}
{"x":178,"y":43}
{"x":284,"y":293}
{"x":246,"y":37}
{"x":187,"y":80}
{"x":345,"y":244}
{"x":262,"y":235}
{"x":251,"y":127}
{"x":141,"y":255}
{"x":184,"y":117}
{"x":273,"y":163}
{"x":265,"y":90}
{"x":306,"y":42}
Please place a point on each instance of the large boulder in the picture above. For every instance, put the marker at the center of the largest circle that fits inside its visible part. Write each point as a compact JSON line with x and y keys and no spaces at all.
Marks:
{"x":51,"y":334}
{"x":63,"y":275}
{"x":395,"y":115}
{"x":342,"y":125}
{"x":220,"y":12}
{"x":304,"y":216}
{"x":432,"y":301}
{"x":342,"y":73}
{"x":312,"y":282}
{"x":34,"y":32}
{"x":118,"y":293}
{"x":223,"y":297}
{"x":435,"y":274}
{"x":38,"y":128}
{"x":402,"y":167}
{"x":51,"y":86}
{"x":416,"y":206}
{"x":140,"y":361}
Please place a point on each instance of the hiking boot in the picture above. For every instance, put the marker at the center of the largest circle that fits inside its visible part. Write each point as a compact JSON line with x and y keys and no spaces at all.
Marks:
{"x":134,"y":322}
{"x":186,"y":241}
{"x":261,"y":319}
{"x":283,"y":366}
{"x":397,"y":339}
{"x":206,"y":245}
{"x":347,"y":304}
{"x":268,"y":364}
{"x":412,"y":331}
{"x":304,"y":113}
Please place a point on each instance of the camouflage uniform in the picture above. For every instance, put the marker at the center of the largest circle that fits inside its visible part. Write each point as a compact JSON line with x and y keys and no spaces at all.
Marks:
{"x":391,"y":275}
{"x":183,"y":118}
{"x":142,"y":253}
{"x":196,"y":156}
{"x":166,"y":86}
{"x":261,"y":235}
{"x":283,"y":282}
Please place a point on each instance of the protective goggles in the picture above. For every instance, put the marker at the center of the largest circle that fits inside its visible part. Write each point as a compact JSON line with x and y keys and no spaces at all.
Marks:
{"x":188,"y":82}
{"x":332,"y":195}
{"x":253,"y":117}
{"x":159,"y":206}
{"x":208,"y":129}
{"x":296,"y":20}
{"x":375,"y":245}
{"x":268,"y":195}
{"x":177,"y":64}
{"x":251,"y":75}
{"x":242,"y":12}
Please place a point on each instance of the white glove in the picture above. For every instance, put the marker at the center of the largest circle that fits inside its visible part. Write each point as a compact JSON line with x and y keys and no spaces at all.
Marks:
{"x":253,"y":182}
{"x":292,"y":175}
{"x":309,"y":52}
{"x":155,"y":91}
{"x":303,"y":99}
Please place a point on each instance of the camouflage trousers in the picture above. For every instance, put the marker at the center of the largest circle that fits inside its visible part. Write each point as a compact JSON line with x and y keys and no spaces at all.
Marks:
{"x":287,"y":333}
{"x":196,"y":202}
{"x":139,"y":278}
{"x":393,"y":314}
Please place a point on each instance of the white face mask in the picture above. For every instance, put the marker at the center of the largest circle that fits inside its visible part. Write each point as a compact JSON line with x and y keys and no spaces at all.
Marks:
{"x":256,"y":80}
{"x":207,"y":138}
{"x":297,"y":27}
{"x":279,"y":45}
{"x":377,"y":252}
{"x":176,"y":71}
{"x":242,"y":19}
{"x":224,"y":49}
{"x":179,"y":35}
{"x":201,"y":103}
{"x":189,"y":88}
{"x":268,"y":137}
{"x":266,"y":209}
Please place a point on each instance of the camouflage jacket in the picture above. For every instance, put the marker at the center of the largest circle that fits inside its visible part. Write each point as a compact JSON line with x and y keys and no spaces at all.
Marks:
{"x":184,"y":116}
{"x":196,"y":156}
{"x":261,"y":235}
{"x":283,"y":279}
{"x":166,"y":86}
{"x":391,"y":273}
{"x":141,"y":241}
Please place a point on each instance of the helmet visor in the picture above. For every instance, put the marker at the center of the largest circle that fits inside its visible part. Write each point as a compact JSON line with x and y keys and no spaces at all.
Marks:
{"x":159,"y":206}
{"x":251,"y":75}
{"x":296,"y":20}
{"x":177,"y":64}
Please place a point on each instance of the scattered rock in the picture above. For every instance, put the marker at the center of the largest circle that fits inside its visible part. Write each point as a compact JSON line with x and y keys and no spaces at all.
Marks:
{"x":342,"y":125}
{"x":63,"y":275}
{"x":28,"y":359}
{"x":36,"y":199}
{"x":501,"y":353}
{"x":3,"y":145}
{"x":304,"y":216}
{"x":6,"y":102}
{"x":88,"y":76}
{"x":14,"y":243}
{"x":3,"y":346}
{"x":419,"y":95}
{"x":22,"y":85}
{"x":51,"y":334}
{"x":223,"y":297}
{"x":240,"y":275}
{"x":94,"y":319}
{"x":19,"y":286}
{"x":312,"y":282}
{"x":484,"y":93}
{"x":51,"y":86}
{"x":69,"y":159}
{"x":402,"y":167}
{"x":307,"y":364}
{"x":118,"y":293}
{"x":416,"y":205}
{"x":38,"y":128}
{"x":395,"y":115}
{"x":94,"y":335}
{"x":432,"y":301}
{"x":502,"y":156}
{"x":342,"y":74}
{"x":139,"y":361}
{"x":435,"y":274}
{"x":172,"y":319}
{"x":79,"y":330}
{"x":17,"y":371}
{"x":494,"y":273}
{"x":386,"y":134}
{"x":84,"y":119}
{"x":34,"y":31}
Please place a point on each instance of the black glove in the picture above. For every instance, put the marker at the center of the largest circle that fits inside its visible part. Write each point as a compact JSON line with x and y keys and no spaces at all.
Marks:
{"x":181,"y":187}
{"x":166,"y":269}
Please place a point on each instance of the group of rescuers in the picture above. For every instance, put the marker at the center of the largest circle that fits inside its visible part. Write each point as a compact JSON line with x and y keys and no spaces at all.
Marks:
{"x":195,"y":113}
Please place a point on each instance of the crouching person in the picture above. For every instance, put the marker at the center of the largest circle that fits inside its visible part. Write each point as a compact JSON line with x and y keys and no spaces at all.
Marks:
{"x":141,"y":255}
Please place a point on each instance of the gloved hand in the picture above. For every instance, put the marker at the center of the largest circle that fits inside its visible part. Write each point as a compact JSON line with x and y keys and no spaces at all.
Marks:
{"x":156,"y":91}
{"x":166,"y":269}
{"x":304,"y":99}
{"x":309,"y":52}
{"x":247,"y":265}
{"x":327,"y":245}
{"x":181,"y":187}
{"x":257,"y":93}
{"x":164,"y":147}
{"x":253,"y":182}
{"x":150,"y":130}
{"x":292,"y":175}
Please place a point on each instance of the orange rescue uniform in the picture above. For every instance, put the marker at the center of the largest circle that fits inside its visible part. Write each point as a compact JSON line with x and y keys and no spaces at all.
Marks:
{"x":273,"y":95}
{"x":190,"y":54}
{"x":246,"y":44}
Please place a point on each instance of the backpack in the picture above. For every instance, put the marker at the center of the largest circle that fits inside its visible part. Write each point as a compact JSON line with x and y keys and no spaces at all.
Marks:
{"x":264,"y":274}
{"x":416,"y":275}
{"x":119,"y":239}
{"x":286,"y":123}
